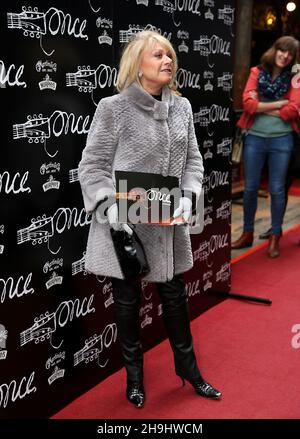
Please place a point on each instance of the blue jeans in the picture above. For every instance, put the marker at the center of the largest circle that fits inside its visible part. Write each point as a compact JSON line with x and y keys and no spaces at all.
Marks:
{"x":277,"y":150}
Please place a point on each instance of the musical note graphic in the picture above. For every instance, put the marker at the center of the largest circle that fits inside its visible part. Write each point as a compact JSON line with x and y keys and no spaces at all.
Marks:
{"x":225,"y":81}
{"x":227,"y":15}
{"x":224,"y":212}
{"x":84,"y":78}
{"x":90,"y":351}
{"x":167,"y":5}
{"x":126,"y":35}
{"x":41,"y":330}
{"x":203,"y":45}
{"x":79,"y":266}
{"x":201,"y":118}
{"x":73,"y":175}
{"x":223,"y":274}
{"x":32,"y":22}
{"x":36,"y":129}
{"x":224,"y":147}
{"x":40,"y":231}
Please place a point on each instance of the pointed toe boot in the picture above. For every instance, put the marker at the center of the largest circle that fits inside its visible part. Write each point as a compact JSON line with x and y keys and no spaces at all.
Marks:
{"x":203,"y":388}
{"x":245,"y":240}
{"x":135,"y":393}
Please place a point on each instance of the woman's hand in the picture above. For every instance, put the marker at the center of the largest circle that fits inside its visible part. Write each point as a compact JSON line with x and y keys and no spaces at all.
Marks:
{"x":253,"y":94}
{"x":278,"y":104}
{"x":112,"y":217}
{"x":281,"y":103}
{"x":265,"y":107}
{"x":184,"y":209}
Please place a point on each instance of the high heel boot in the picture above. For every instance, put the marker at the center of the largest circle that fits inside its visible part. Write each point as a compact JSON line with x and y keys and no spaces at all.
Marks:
{"x":135,"y":393}
{"x":245,"y":240}
{"x":177,"y":322}
{"x":203,"y":388}
{"x":126,"y":309}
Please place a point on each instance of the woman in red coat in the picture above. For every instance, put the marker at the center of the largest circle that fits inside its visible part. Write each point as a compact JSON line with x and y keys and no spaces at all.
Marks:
{"x":271,"y":101}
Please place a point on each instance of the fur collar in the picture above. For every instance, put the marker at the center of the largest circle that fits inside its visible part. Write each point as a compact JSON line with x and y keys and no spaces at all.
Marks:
{"x":144,"y":100}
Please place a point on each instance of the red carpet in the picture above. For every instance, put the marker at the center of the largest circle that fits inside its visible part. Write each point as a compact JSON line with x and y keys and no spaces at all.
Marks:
{"x":244,"y":349}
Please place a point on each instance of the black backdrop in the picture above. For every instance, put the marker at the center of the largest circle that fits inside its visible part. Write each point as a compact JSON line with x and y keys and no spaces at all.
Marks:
{"x":58,"y":58}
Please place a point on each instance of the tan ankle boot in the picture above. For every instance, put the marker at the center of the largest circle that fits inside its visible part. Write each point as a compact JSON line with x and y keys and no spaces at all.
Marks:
{"x":273,"y":247}
{"x":245,"y":240}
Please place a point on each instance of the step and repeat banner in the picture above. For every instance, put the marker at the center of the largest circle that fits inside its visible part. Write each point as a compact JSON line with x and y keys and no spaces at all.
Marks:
{"x":58,"y":58}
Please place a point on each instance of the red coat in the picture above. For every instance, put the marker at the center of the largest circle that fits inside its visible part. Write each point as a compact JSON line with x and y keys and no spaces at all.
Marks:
{"x":287,"y":112}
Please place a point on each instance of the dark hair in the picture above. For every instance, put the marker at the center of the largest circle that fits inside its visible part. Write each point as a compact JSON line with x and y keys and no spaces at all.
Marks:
{"x":285,"y":43}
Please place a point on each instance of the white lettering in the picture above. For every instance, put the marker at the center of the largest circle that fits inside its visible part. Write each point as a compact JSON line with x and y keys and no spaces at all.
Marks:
{"x":62,"y":120}
{"x":12,"y":184}
{"x":192,"y":288}
{"x":11,"y":77}
{"x":218,"y":45}
{"x":296,"y":338}
{"x":58,"y":21}
{"x":13,"y":291}
{"x":186,"y":79}
{"x":65,"y":311}
{"x":65,"y":218}
{"x":217,"y":241}
{"x":188,"y":5}
{"x":107,"y":76}
{"x":14,"y":391}
{"x":217,"y":113}
{"x":218,"y":178}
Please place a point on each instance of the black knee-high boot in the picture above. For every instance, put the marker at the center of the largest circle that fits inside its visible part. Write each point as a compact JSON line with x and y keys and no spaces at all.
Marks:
{"x":177,"y":322}
{"x":126,"y":305}
{"x":126,"y":310}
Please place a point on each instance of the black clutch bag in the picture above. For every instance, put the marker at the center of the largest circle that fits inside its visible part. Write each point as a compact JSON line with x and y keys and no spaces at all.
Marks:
{"x":131,"y":255}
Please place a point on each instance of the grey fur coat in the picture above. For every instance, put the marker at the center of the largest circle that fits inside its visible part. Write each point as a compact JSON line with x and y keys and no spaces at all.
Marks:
{"x":132,"y":131}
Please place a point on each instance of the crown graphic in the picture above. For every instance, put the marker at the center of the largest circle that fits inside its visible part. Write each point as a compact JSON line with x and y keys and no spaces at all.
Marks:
{"x":47,"y":83}
{"x":3,"y":354}
{"x":105,"y":38}
{"x":208,"y":220}
{"x":183,"y":47}
{"x":109,"y":301}
{"x":51,"y":184}
{"x":54,"y":280}
{"x":208,"y":155}
{"x":147,"y":321}
{"x":209,"y":15}
{"x":58,"y":373}
{"x":207,"y":285}
{"x":208,"y":86}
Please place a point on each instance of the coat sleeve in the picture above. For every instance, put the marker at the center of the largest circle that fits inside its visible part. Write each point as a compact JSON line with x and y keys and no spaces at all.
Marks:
{"x":95,"y":167}
{"x":290,"y":110}
{"x":193,"y":172}
{"x":249,"y":103}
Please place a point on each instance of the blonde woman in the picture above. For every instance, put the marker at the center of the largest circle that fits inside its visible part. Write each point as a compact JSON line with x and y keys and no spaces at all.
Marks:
{"x":147,"y":127}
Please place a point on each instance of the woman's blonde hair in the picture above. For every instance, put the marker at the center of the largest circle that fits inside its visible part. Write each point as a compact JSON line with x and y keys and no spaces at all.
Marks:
{"x":285,"y":43}
{"x":132,"y":55}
